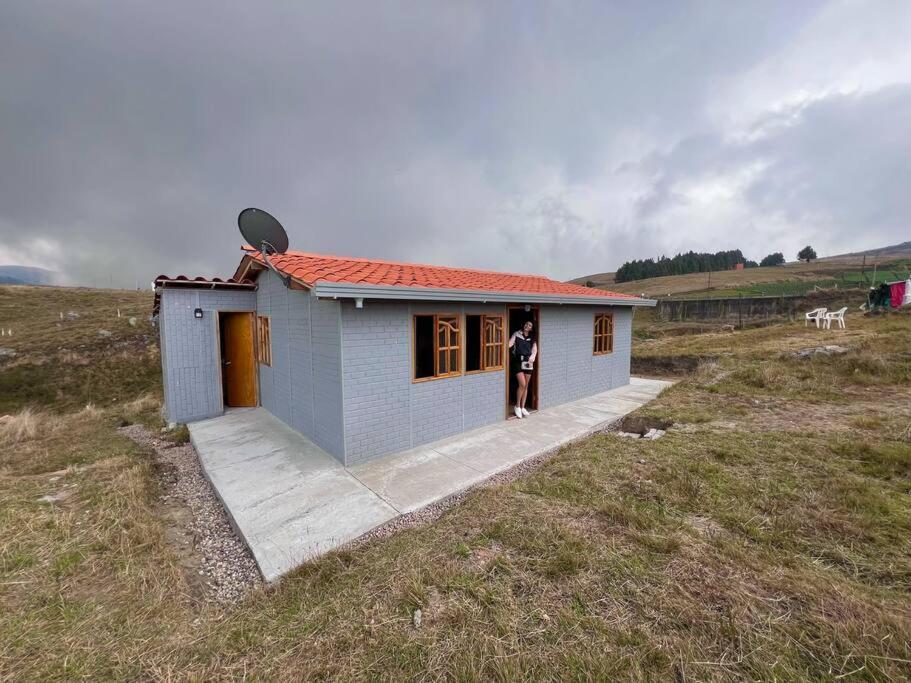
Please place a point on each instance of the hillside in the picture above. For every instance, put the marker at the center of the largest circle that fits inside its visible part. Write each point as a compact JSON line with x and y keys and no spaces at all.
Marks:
{"x":825,"y":272}
{"x":767,"y":535}
{"x":26,"y":275}
{"x":69,"y":348}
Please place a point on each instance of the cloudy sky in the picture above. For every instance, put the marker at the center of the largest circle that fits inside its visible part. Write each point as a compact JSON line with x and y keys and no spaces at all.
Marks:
{"x":559,"y":138}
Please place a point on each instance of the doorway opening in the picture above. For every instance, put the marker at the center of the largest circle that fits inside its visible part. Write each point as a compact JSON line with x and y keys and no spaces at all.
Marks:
{"x":238,"y":367}
{"x":517,"y":317}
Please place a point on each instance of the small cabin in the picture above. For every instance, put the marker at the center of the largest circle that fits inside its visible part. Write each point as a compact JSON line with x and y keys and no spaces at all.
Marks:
{"x":367,"y":357}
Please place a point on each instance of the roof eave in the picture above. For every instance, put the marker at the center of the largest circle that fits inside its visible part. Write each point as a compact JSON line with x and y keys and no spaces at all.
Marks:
{"x":250,"y":268}
{"x":344,"y":290}
{"x":198,"y":284}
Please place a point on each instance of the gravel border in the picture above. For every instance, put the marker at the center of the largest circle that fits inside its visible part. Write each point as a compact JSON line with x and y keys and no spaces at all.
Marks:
{"x":228,"y":570}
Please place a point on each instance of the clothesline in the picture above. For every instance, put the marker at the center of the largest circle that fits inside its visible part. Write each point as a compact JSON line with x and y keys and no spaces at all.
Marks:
{"x":890,"y":295}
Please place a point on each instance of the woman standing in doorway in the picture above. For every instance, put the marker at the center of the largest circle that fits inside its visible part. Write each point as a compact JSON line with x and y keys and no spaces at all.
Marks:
{"x":524,"y":350}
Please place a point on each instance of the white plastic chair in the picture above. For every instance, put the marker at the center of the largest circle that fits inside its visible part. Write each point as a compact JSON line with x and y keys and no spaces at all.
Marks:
{"x":838,"y":316}
{"x":817,"y":315}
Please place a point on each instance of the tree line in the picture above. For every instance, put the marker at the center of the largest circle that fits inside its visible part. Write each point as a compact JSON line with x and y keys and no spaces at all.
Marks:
{"x":693,"y":262}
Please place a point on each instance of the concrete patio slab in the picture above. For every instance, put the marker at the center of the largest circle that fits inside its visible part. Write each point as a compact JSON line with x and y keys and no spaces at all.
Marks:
{"x":413,"y":479}
{"x":417,"y":478}
{"x":287,"y":498}
{"x":290,"y":501}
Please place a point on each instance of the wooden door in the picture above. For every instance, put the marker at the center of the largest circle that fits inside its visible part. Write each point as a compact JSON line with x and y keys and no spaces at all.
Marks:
{"x":237,"y":359}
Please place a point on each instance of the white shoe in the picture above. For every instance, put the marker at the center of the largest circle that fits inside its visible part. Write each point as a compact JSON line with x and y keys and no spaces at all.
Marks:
{"x":518,"y":412}
{"x":525,"y":412}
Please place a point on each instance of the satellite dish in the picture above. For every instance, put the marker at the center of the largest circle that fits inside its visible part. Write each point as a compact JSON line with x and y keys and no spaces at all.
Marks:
{"x":262,"y":231}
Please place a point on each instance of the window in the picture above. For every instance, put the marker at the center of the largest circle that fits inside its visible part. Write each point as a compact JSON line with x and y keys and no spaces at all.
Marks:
{"x":604,"y":333}
{"x":437,"y":346}
{"x":263,"y":341}
{"x":483,"y":342}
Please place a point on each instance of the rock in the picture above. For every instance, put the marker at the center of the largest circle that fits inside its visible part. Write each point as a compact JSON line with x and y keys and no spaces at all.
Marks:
{"x":71,"y":315}
{"x":629,"y":435}
{"x":650,"y":434}
{"x":6,"y":352}
{"x":132,"y":322}
{"x":416,"y":618}
{"x":104,"y":333}
{"x":55,"y":497}
{"x":828,"y":350}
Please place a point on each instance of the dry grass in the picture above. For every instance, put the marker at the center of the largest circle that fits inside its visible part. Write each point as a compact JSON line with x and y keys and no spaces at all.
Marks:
{"x":25,"y":425}
{"x":61,"y":364}
{"x":141,"y":405}
{"x":741,"y":546}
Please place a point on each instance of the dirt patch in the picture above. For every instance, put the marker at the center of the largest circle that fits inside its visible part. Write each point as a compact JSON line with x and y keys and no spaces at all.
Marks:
{"x":218,"y":565}
{"x":666,"y":366}
{"x":482,"y":558}
{"x":777,"y":414}
{"x":705,"y":526}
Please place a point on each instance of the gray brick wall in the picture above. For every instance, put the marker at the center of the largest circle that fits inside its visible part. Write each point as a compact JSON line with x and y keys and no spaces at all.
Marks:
{"x":302,"y":387}
{"x":569,"y":369}
{"x":329,"y":432}
{"x":384,"y":410}
{"x":275,"y":379}
{"x":376,"y":343}
{"x":191,"y":358}
{"x":301,"y":362}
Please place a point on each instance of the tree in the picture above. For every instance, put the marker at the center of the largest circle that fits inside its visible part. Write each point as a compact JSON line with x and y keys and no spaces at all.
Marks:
{"x":690,"y":262}
{"x":806,"y":254}
{"x":776,"y":259}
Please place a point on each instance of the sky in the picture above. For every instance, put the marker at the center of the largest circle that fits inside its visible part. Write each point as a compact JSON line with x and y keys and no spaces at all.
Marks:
{"x":556,"y":138}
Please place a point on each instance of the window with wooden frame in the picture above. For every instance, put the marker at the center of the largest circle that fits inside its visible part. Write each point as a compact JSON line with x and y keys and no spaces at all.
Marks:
{"x":604,"y":334}
{"x":263,"y":341}
{"x":437,"y":346}
{"x":483,"y":343}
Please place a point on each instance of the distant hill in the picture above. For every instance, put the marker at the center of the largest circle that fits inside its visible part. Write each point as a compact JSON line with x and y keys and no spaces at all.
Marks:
{"x":26,"y":275}
{"x":894,"y":252}
{"x":823,"y":271}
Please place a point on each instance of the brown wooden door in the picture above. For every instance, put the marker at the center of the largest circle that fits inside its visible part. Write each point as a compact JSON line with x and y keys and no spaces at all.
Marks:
{"x":237,"y":358}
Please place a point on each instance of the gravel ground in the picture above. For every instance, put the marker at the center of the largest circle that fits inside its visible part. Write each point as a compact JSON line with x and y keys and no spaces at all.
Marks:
{"x":227,"y":569}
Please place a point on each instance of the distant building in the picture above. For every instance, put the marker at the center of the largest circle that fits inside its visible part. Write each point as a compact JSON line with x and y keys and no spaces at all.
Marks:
{"x":737,"y":266}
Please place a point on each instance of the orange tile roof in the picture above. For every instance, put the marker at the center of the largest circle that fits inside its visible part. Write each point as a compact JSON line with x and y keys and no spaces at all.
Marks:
{"x":309,"y":269}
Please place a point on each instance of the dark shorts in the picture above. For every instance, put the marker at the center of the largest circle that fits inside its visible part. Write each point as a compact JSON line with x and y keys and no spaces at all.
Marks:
{"x":515,"y":367}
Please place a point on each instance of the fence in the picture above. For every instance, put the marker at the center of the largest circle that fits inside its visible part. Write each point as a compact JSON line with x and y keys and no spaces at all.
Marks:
{"x":734,"y":309}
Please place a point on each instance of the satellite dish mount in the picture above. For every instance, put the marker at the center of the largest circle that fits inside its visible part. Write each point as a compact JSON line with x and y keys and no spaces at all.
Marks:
{"x":262,"y":231}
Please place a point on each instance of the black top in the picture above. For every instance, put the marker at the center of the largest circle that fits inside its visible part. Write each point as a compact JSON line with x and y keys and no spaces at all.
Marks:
{"x":523,"y":346}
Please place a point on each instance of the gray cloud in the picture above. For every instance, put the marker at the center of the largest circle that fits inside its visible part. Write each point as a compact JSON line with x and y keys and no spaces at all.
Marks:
{"x":530,"y":137}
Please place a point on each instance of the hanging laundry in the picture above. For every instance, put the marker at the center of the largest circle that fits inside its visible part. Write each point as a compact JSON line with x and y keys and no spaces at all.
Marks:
{"x":882,"y":296}
{"x":896,"y":294}
{"x":907,"y":300}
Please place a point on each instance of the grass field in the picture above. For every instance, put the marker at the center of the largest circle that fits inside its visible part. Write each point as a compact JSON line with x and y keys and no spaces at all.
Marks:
{"x":767,"y":536}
